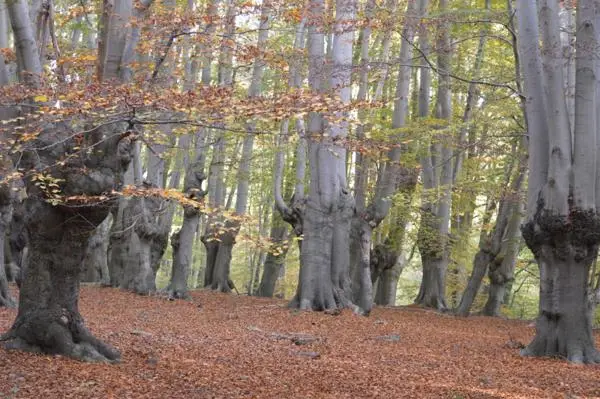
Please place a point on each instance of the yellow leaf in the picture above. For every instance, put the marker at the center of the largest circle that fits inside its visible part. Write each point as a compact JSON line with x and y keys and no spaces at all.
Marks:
{"x":40,"y":99}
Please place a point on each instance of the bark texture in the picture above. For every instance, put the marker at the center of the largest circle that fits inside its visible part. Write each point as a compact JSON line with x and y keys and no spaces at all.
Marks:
{"x":562,"y":223}
{"x":182,"y":241}
{"x":324,"y":282}
{"x":48,"y":320}
{"x":275,"y":258}
{"x":95,"y":262}
{"x":6,"y":210}
{"x":433,"y":238}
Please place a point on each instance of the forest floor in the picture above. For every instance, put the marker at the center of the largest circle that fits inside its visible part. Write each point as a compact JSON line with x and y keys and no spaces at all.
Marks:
{"x":228,"y":346}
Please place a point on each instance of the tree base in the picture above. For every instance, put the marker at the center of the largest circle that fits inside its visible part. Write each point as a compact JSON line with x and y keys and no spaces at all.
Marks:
{"x":58,"y":335}
{"x":559,"y":341}
{"x":178,"y":294}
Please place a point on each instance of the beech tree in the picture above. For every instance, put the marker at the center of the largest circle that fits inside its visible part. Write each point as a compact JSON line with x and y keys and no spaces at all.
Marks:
{"x":48,"y":319}
{"x":324,"y":281}
{"x":561,"y":227}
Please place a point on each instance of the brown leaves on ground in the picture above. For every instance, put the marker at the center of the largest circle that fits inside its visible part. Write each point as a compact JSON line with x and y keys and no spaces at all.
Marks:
{"x":220,"y":346}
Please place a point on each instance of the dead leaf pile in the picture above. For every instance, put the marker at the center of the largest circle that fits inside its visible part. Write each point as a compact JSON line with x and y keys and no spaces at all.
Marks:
{"x":240,"y":347}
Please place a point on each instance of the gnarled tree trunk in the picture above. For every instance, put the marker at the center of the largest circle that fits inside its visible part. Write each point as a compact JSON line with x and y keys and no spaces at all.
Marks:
{"x":562,"y":223}
{"x":48,"y":319}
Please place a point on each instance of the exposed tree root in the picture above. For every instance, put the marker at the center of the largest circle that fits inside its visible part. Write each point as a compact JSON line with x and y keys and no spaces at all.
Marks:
{"x":63,"y":335}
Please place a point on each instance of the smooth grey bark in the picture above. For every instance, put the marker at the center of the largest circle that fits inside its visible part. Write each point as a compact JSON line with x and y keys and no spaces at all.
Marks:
{"x":435,"y":209}
{"x":6,"y":209}
{"x":501,"y":274}
{"x":30,"y":72}
{"x":113,"y":37}
{"x":324,"y":281}
{"x":275,"y":256}
{"x":48,"y":319}
{"x":132,"y":39}
{"x":394,"y":177}
{"x":132,"y":235}
{"x":182,"y":241}
{"x":4,"y":23}
{"x":214,"y":277}
{"x":95,"y":261}
{"x":391,"y":6}
{"x":496,"y":246}
{"x":222,"y":258}
{"x":561,"y":227}
{"x":292,"y":211}
{"x":386,"y":267}
{"x":156,"y":170}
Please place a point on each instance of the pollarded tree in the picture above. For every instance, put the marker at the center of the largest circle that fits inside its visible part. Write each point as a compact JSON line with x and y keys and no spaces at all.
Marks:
{"x":562,"y":226}
{"x":324,"y":282}
{"x":85,"y":167}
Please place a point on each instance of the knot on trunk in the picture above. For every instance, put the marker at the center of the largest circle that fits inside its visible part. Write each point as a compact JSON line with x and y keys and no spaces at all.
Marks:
{"x":574,"y":236}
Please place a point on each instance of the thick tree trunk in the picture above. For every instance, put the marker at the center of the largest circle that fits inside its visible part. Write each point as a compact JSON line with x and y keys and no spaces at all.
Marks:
{"x":113,"y":36}
{"x":322,"y":286}
{"x":432,"y":293}
{"x":95,"y":261}
{"x":48,"y":319}
{"x":360,"y":262}
{"x":564,"y":326}
{"x":435,"y":213}
{"x":132,"y":246}
{"x":562,"y":223}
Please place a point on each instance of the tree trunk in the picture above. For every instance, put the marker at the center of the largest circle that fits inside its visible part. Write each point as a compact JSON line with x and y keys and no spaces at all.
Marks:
{"x":324,"y":282}
{"x":6,"y":209}
{"x":564,"y":326}
{"x":394,"y":177}
{"x":183,"y":240}
{"x":275,"y":257}
{"x":95,"y":261}
{"x":48,"y":319}
{"x":4,"y":73}
{"x":112,"y":40}
{"x":385,"y":271}
{"x":132,"y":235}
{"x":480,"y":268}
{"x":501,"y":270}
{"x":30,"y":71}
{"x":562,"y":222}
{"x":433,"y":238}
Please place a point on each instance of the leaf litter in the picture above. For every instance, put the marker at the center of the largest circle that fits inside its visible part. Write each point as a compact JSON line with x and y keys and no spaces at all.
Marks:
{"x":243,"y":347}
